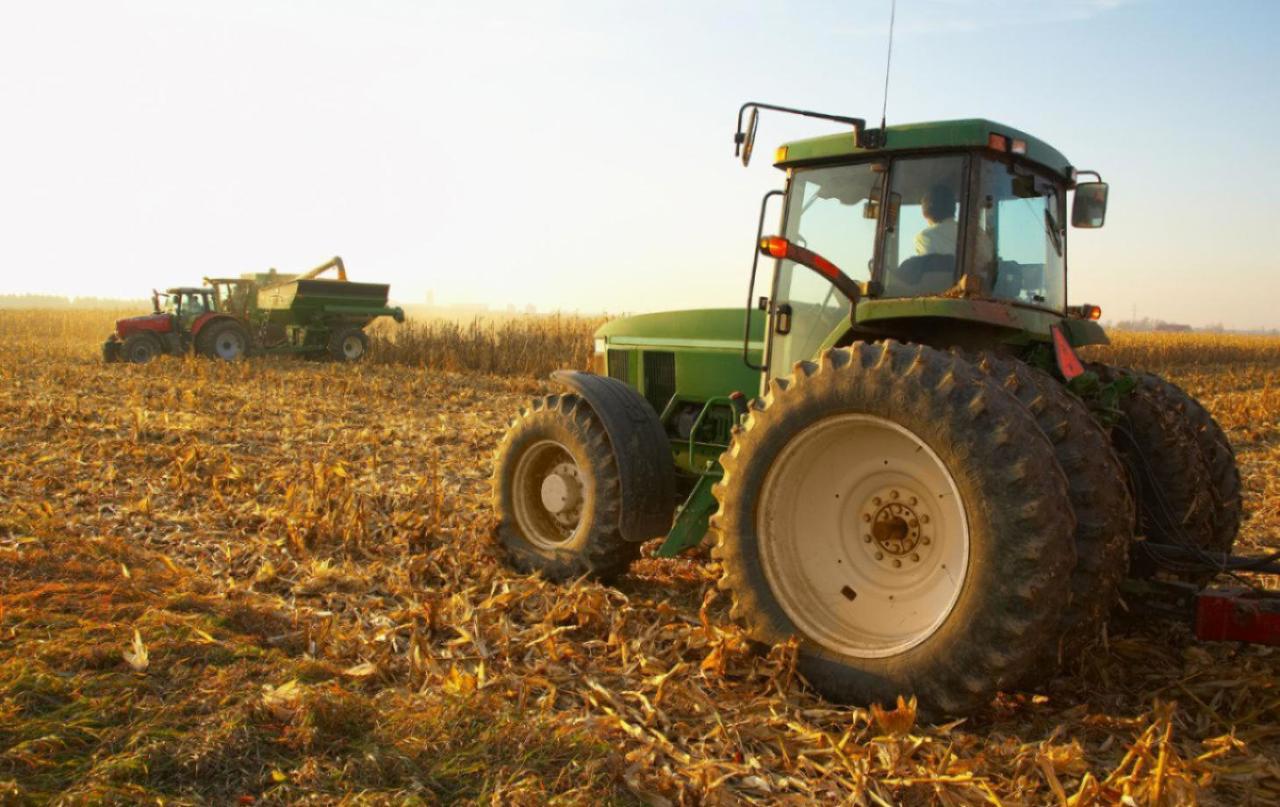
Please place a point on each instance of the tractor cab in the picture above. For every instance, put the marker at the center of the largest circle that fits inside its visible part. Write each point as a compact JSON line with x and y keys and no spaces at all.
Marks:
{"x":185,"y":304}
{"x":951,"y":233}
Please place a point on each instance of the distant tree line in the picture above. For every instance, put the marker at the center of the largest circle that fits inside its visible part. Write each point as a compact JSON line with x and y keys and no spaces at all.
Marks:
{"x":12,"y":301}
{"x":1161,"y":326}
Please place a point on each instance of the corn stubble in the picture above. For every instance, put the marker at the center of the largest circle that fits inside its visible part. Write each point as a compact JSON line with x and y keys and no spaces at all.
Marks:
{"x":274,"y":581}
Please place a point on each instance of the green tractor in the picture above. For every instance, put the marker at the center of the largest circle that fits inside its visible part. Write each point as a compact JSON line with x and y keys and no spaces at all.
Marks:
{"x":900,"y":457}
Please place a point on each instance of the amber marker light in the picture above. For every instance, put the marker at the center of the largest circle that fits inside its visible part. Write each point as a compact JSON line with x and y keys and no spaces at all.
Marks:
{"x":775,"y":246}
{"x":780,"y":156}
{"x":998,"y":142}
{"x":1095,"y":313}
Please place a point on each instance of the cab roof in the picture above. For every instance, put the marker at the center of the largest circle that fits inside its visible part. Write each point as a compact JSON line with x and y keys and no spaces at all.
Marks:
{"x":188,"y":290}
{"x":947,"y":134}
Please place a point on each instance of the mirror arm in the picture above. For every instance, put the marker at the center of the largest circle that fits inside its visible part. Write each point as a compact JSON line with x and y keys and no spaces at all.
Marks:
{"x":739,"y":137}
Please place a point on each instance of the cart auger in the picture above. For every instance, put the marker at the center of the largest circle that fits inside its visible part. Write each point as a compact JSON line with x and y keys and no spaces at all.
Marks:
{"x":896,"y":453}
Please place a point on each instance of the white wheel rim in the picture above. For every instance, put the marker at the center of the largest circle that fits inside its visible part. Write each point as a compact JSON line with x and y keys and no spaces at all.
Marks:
{"x":228,"y":345}
{"x":549,"y":493}
{"x":863,"y":536}
{"x":352,"y":347}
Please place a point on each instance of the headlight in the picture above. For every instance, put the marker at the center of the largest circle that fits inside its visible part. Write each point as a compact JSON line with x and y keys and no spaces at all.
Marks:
{"x":598,"y":365}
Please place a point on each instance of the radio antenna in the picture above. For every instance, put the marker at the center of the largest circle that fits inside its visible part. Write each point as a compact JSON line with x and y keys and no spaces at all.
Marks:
{"x":888,"y":60}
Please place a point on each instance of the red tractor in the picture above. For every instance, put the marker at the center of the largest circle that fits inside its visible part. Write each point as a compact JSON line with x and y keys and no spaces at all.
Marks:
{"x":189,"y":318}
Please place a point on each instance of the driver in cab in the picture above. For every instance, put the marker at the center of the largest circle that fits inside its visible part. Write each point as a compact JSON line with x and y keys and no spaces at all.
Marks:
{"x":939,"y":209}
{"x":942,"y":232}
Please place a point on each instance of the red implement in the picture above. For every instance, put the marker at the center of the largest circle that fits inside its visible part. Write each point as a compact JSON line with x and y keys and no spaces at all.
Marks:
{"x":1237,"y":616}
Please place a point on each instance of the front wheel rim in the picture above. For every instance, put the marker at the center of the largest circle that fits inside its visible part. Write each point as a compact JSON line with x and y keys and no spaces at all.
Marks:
{"x":864,"y":538}
{"x":549,"y":494}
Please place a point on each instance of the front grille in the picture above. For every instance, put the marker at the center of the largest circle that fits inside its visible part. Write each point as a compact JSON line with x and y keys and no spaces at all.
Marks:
{"x":620,"y":365}
{"x":659,"y":378}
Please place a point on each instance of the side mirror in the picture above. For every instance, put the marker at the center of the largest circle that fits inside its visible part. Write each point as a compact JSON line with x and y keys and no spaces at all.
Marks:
{"x":746,"y":140}
{"x":1089,"y":210}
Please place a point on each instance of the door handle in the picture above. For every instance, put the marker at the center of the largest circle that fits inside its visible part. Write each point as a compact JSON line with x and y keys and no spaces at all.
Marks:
{"x":782,"y":319}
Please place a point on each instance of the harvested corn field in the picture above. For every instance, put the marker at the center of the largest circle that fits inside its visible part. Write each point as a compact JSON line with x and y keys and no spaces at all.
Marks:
{"x":275,"y":580}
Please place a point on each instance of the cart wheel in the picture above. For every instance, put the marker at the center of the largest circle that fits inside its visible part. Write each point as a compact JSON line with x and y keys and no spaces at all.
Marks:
{"x":348,"y":345}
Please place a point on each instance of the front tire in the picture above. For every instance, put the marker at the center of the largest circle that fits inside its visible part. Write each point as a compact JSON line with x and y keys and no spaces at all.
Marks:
{"x":140,"y":348}
{"x":812,"y":476}
{"x":558,"y":494}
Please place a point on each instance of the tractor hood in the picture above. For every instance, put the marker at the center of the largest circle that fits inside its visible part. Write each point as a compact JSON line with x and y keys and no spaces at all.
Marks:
{"x":158,"y":323}
{"x":711,"y":328}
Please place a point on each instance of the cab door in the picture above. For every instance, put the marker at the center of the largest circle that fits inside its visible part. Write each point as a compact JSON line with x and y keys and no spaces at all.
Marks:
{"x":835,"y":212}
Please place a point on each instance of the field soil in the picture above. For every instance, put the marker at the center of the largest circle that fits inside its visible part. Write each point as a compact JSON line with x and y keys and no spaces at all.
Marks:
{"x":275,"y":581}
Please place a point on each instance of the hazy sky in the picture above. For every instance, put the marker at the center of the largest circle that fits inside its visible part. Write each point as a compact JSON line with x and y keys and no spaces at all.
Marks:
{"x":578,"y":155}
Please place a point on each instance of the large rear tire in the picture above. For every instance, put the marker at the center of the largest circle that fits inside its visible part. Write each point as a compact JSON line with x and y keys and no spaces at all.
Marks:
{"x":1173,"y":461}
{"x":1098,"y":486}
{"x":1215,"y":448}
{"x":814,"y":543}
{"x":226,"y":340}
{"x":558,"y":494}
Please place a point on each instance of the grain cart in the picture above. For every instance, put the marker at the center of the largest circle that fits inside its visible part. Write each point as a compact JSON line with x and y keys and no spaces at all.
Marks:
{"x":899,"y":455}
{"x":257,"y":313}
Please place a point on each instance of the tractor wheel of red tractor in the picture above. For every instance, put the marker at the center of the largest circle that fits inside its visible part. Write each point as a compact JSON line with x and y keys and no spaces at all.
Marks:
{"x":226,"y":340}
{"x":140,"y":348}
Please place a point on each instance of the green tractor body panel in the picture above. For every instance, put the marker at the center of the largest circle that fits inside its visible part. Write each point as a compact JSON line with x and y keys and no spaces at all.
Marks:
{"x":692,"y":355}
{"x":687,"y":364}
{"x":951,"y":134}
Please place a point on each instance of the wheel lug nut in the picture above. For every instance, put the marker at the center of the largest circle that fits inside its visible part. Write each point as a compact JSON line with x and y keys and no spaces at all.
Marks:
{"x":866,"y":516}
{"x":924,"y":519}
{"x":915,"y":557}
{"x":925,"y":540}
{"x":897,"y":564}
{"x":893,"y":494}
{"x":876,"y":501}
{"x":914,"y":501}
{"x":879,"y":556}
{"x":866,"y":539}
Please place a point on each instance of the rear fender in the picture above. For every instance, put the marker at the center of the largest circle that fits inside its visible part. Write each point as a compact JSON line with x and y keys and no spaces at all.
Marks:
{"x":205,"y":319}
{"x":640,"y":448}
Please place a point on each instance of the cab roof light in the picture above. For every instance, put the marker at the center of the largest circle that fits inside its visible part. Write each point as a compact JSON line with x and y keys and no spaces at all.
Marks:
{"x":1018,"y":147}
{"x":997,"y":142}
{"x":1095,"y":312}
{"x":780,"y":156}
